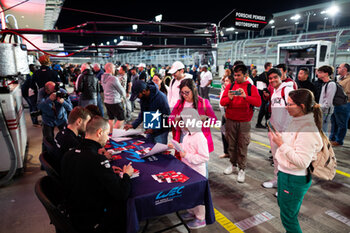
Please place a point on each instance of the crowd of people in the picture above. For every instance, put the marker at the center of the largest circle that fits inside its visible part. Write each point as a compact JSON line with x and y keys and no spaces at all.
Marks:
{"x":289,"y":105}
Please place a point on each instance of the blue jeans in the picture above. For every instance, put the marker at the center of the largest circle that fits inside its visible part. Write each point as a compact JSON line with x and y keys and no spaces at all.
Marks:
{"x":161,"y":138}
{"x":325,"y":122}
{"x":85,"y":103}
{"x":339,"y":121}
{"x":100,"y":104}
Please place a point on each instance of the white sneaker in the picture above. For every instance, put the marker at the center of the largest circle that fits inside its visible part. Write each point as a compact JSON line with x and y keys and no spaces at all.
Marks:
{"x":229,"y":170}
{"x":241,"y":176}
{"x":276,"y":194}
{"x":270,"y":184}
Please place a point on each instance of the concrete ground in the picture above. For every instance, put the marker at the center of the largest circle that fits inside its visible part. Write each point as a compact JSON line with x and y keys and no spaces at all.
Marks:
{"x":326,"y":206}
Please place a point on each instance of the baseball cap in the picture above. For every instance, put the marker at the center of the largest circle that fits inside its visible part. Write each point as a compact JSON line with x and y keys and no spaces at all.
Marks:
{"x":137,"y":87}
{"x":178,"y":65}
{"x":142,"y":65}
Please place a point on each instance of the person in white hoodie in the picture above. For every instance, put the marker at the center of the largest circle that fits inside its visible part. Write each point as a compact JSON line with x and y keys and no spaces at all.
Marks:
{"x":297,"y":148}
{"x":195,"y":155}
{"x":279,"y":115}
{"x":177,"y":70}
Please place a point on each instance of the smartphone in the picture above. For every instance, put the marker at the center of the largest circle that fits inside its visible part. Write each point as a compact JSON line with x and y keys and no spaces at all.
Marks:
{"x":235,"y":92}
{"x":271,"y":127}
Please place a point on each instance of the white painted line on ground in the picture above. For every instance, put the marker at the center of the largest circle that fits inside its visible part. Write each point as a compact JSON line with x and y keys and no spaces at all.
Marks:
{"x":338,"y":217}
{"x":254,"y":220}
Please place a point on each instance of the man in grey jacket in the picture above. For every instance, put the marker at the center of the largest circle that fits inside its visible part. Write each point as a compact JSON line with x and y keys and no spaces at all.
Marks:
{"x":114,"y":94}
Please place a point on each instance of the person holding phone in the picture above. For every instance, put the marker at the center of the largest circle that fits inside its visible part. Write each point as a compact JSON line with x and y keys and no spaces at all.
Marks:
{"x":238,"y":115}
{"x":297,"y":147}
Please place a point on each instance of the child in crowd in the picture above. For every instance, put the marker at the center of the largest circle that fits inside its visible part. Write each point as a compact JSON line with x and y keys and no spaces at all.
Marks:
{"x":195,"y":154}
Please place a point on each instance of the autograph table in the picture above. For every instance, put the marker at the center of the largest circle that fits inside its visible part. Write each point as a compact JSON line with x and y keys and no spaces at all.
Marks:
{"x":149,"y":198}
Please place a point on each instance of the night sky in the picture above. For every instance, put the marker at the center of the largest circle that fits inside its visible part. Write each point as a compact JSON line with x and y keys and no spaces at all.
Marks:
{"x":172,"y":11}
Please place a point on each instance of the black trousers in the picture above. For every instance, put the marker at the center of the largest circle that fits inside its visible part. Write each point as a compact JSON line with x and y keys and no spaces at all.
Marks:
{"x":263,"y":109}
{"x":224,"y":141}
{"x":49,"y":135}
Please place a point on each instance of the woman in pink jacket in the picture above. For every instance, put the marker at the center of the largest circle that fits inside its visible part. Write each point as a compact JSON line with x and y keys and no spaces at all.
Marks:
{"x":191,"y":99}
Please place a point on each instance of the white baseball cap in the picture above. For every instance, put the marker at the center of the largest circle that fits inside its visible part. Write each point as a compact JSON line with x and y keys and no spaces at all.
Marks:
{"x":142,"y":65}
{"x":178,"y":65}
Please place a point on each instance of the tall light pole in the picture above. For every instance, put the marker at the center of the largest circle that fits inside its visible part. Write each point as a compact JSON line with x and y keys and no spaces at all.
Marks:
{"x":296,"y":27}
{"x":325,"y":23}
{"x":218,"y":28}
{"x":134,"y":27}
{"x":272,"y":27}
{"x":159,"y":19}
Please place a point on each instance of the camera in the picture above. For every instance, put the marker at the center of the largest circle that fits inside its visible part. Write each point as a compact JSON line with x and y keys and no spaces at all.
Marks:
{"x":60,"y":94}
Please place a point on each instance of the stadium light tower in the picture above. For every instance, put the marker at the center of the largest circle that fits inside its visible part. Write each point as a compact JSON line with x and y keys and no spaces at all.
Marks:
{"x":159,"y":19}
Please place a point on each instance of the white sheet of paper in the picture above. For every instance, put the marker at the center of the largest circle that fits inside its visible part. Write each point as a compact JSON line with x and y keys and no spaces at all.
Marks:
{"x":177,"y":145}
{"x":157,"y":148}
{"x":118,"y":133}
{"x":121,"y":139}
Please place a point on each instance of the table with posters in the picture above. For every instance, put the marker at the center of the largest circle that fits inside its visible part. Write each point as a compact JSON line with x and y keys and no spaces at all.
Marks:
{"x":149,"y":198}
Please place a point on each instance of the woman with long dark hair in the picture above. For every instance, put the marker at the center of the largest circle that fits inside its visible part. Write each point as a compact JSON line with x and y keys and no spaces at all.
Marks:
{"x":157,"y":79}
{"x":189,"y":98}
{"x":297,"y":148}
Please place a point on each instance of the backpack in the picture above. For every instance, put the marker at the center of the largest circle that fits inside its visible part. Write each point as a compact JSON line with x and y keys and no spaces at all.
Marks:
{"x":324,"y":167}
{"x":249,"y":91}
{"x":283,"y":95}
{"x":340,"y":97}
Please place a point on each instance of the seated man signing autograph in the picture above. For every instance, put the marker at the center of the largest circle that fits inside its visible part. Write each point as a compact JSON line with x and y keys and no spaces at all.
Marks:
{"x":95,"y":196}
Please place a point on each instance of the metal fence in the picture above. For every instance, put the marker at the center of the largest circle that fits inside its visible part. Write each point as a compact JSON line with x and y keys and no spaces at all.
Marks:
{"x":255,"y":51}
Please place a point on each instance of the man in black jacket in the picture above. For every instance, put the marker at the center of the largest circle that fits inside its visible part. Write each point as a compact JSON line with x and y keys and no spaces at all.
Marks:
{"x":262,"y":83}
{"x":71,"y":136}
{"x":95,"y":196}
{"x":45,"y":73}
{"x":304,"y":81}
{"x":88,"y":86}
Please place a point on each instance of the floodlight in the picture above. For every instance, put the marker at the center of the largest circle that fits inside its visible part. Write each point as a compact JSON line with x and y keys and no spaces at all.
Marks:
{"x":159,"y":18}
{"x":295,"y":17}
{"x":331,"y":11}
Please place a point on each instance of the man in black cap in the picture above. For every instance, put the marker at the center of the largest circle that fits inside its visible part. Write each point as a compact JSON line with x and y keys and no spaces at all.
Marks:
{"x":95,"y":196}
{"x":153,"y":102}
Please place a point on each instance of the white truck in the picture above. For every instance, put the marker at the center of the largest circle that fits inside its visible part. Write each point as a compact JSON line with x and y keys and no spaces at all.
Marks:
{"x":311,"y":54}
